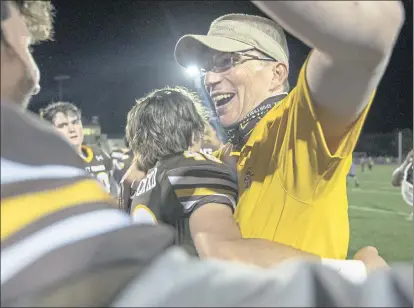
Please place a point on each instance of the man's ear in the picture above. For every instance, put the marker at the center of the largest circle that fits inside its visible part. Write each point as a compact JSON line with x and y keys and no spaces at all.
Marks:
{"x":280,"y":75}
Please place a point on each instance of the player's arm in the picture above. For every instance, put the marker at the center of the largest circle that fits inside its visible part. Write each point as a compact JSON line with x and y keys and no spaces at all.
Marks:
{"x":398,"y":174}
{"x":216,"y":235}
{"x":207,"y":191}
{"x":352,"y":42}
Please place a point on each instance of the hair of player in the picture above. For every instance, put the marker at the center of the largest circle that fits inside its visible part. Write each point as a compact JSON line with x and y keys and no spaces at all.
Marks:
{"x":38,"y":16}
{"x":126,"y":142}
{"x":53,"y":109}
{"x":266,"y":25}
{"x":163,"y":123}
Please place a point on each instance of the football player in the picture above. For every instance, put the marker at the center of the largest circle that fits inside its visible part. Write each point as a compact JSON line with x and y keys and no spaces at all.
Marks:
{"x":165,"y":131}
{"x":66,"y":118}
{"x":403,"y":177}
{"x":370,"y":163}
{"x":363,"y":162}
{"x":352,"y":175}
{"x":59,"y":228}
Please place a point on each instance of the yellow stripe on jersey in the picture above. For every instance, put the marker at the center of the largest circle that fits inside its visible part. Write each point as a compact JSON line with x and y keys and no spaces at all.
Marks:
{"x":88,"y":154}
{"x":188,"y":192}
{"x":19,"y":211}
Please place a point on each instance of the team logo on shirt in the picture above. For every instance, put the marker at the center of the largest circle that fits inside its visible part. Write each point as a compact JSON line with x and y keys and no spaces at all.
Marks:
{"x":248,"y":178}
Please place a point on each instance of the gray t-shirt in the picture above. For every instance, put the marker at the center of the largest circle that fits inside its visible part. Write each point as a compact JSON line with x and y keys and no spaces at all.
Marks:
{"x":177,"y":280}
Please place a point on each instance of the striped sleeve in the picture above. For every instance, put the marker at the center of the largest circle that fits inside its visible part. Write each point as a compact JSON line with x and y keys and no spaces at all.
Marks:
{"x":58,"y":225}
{"x":60,"y":231}
{"x":47,"y":206}
{"x":203,"y":183}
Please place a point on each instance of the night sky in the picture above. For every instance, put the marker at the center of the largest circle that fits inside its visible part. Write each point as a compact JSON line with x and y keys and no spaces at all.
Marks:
{"x":117,"y":51}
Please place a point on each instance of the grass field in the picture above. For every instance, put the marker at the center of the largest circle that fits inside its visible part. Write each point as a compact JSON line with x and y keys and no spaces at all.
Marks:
{"x":378,"y":216}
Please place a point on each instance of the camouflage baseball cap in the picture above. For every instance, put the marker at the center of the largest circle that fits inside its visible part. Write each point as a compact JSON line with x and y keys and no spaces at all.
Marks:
{"x":231,"y":33}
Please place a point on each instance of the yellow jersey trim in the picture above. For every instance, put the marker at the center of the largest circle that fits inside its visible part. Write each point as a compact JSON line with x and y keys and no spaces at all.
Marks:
{"x":89,"y":154}
{"x":19,"y":211}
{"x":145,"y":208}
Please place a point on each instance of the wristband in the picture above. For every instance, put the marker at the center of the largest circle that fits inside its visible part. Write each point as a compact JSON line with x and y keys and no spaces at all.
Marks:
{"x":352,"y":270}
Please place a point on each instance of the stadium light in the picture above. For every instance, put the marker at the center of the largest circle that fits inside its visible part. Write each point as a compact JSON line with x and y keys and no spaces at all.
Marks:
{"x":193,"y":71}
{"x":60,"y":79}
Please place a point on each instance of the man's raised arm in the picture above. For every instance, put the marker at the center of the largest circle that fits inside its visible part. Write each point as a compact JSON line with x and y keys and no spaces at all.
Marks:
{"x":352,"y":42}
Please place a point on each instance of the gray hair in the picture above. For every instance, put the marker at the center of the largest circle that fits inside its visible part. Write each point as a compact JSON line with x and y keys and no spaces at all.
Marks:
{"x":163,"y":123}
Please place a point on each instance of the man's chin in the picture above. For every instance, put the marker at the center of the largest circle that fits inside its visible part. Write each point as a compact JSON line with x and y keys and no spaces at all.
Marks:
{"x":228,"y":115}
{"x":227,"y":121}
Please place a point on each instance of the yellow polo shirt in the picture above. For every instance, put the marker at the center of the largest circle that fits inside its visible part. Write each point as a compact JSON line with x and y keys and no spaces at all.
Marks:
{"x":292,"y":189}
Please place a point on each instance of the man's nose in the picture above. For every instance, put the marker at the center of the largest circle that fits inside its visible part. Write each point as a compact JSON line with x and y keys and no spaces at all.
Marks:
{"x":71,"y":128}
{"x":36,"y":89}
{"x":211,"y":79}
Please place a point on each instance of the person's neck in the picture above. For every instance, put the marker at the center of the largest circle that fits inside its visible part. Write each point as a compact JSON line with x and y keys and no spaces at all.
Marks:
{"x":240,"y":132}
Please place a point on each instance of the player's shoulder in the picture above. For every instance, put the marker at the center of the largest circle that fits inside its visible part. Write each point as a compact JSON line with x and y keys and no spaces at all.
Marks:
{"x":96,"y":152}
{"x":195,"y":164}
{"x":96,"y":149}
{"x":189,"y":159}
{"x":21,"y":130}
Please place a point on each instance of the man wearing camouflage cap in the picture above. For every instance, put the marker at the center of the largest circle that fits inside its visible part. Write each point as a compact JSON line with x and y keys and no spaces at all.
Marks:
{"x":293,"y":150}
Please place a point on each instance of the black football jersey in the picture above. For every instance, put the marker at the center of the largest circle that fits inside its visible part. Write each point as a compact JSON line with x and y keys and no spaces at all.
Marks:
{"x":176,"y":187}
{"x":99,"y":164}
